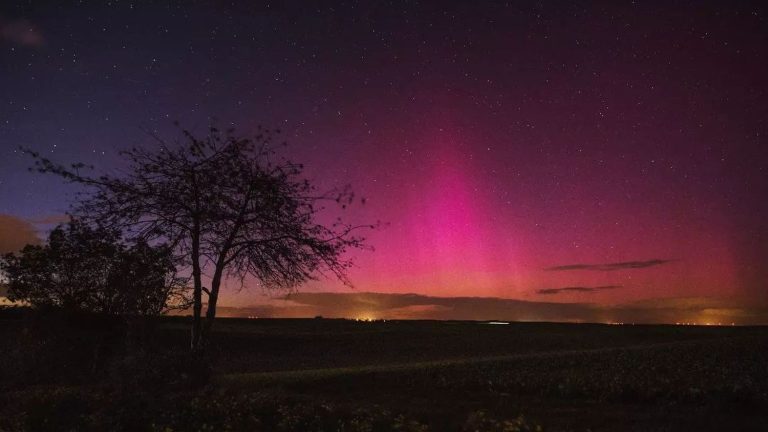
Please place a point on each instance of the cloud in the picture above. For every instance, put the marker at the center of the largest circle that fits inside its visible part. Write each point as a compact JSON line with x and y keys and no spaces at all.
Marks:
{"x":611,"y":266}
{"x":53,"y":219}
{"x":21,"y":32}
{"x":549,"y":291}
{"x":408,"y":306}
{"x":414,"y":306}
{"x":15,"y":233}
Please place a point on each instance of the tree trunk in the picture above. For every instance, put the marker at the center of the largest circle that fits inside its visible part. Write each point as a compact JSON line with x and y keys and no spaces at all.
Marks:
{"x":197,"y":307}
{"x":210,"y":315}
{"x":213,"y":297}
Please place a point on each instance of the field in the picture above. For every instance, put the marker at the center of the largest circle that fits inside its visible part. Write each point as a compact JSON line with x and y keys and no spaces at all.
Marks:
{"x":340,"y":375}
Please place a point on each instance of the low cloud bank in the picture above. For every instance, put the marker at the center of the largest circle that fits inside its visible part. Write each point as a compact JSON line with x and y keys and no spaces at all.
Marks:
{"x":368,"y":305}
{"x":581,"y":289}
{"x":15,"y":233}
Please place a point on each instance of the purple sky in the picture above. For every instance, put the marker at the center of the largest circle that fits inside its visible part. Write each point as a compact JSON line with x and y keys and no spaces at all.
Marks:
{"x":623,"y":141}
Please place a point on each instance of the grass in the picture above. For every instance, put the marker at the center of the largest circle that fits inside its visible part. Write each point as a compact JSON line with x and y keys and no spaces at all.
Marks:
{"x":564,"y":377}
{"x":308,"y":375}
{"x":337,"y":375}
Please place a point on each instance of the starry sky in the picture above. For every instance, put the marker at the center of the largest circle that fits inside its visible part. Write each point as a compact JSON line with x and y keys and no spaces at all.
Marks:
{"x":591,"y":153}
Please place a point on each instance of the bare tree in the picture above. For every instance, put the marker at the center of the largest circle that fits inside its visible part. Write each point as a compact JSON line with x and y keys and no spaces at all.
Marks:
{"x":225,"y":203}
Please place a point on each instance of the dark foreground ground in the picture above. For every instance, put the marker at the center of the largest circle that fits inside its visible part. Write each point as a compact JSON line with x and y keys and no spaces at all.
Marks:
{"x":335,"y":375}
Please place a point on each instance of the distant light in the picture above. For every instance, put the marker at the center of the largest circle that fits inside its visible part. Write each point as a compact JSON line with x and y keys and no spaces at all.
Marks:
{"x":497,"y":322}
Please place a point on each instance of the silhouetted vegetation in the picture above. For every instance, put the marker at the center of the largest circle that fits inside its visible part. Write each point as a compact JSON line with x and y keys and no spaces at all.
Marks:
{"x":223,"y":202}
{"x":86,"y":269}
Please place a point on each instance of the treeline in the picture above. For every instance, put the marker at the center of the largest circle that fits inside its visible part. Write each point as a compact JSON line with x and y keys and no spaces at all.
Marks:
{"x":82,"y":268}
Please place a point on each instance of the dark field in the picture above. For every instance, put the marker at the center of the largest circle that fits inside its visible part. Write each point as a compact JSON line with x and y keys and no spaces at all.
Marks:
{"x":336,"y":375}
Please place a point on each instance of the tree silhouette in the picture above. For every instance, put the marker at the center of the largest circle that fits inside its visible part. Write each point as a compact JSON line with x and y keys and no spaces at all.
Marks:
{"x":224,"y":203}
{"x":85,"y":269}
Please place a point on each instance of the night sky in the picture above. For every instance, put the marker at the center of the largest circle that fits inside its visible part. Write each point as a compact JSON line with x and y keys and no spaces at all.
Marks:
{"x":595,"y":153}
